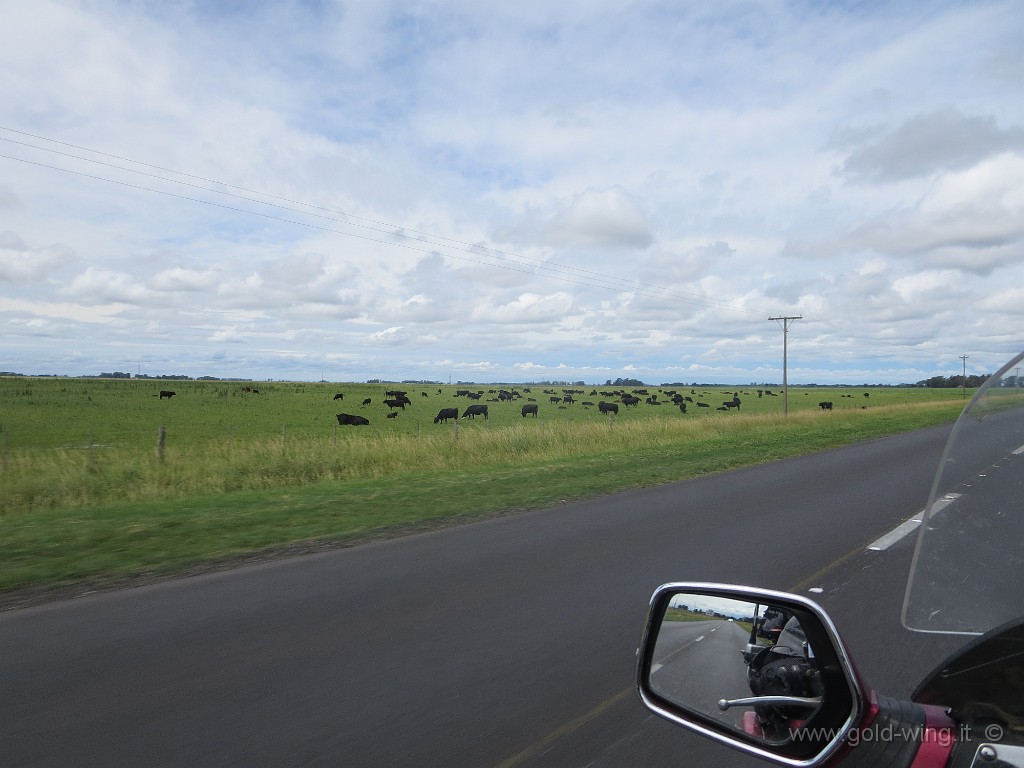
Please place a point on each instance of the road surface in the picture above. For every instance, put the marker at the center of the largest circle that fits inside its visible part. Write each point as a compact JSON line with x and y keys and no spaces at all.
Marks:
{"x":504,"y":643}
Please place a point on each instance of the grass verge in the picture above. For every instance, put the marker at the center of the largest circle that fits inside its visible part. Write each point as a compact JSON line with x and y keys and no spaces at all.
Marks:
{"x":120,"y":541}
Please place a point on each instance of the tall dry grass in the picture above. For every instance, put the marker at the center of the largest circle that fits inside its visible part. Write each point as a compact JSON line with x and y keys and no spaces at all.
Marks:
{"x":35,"y":479}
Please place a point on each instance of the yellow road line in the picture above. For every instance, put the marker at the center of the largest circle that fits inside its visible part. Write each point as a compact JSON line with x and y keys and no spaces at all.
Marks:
{"x":565,"y":730}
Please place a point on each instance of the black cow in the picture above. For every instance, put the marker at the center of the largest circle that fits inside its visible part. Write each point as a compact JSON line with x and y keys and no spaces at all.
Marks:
{"x":392,"y":415}
{"x":395,"y":404}
{"x":475,"y":410}
{"x":554,"y":400}
{"x":166,"y":393}
{"x":630,"y":400}
{"x":446,"y":413}
{"x":340,"y":396}
{"x":604,"y":407}
{"x":530,"y":408}
{"x":367,"y":401}
{"x":825,"y":405}
{"x":702,"y":405}
{"x":734,"y":403}
{"x":347,"y":419}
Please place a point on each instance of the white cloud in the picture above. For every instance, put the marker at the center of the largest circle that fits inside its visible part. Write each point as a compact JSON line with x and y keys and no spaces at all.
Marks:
{"x":944,"y":140}
{"x":607,"y":218}
{"x":609,"y":185}
{"x":21,"y":264}
{"x":228,"y":336}
{"x":188,"y":280}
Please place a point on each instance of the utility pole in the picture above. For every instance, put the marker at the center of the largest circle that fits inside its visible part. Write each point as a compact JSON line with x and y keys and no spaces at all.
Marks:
{"x":786,"y":321}
{"x":963,"y":385}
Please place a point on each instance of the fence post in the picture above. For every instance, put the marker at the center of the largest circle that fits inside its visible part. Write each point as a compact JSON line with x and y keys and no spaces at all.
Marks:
{"x":161,"y":440}
{"x":455,"y":429}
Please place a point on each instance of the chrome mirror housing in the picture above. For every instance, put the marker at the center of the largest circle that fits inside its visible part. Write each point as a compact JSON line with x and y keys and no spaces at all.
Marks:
{"x":761,"y":671}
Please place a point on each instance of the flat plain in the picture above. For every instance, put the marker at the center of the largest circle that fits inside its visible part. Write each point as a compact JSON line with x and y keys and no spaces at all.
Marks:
{"x":90,"y":491}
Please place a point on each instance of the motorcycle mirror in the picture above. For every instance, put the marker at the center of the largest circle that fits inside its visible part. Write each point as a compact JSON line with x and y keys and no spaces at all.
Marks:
{"x":761,"y":671}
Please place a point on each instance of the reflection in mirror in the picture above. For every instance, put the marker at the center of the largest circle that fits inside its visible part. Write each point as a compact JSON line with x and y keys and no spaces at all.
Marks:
{"x":747,"y":666}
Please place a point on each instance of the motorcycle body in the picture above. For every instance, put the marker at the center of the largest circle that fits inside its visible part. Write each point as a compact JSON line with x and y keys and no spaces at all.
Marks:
{"x":767,"y":672}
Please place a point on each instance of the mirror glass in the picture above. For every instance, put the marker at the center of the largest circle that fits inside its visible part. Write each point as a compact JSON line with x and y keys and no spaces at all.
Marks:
{"x":746,"y":666}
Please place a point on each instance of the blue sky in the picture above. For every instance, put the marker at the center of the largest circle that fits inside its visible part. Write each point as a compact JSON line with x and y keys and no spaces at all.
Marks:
{"x":512,"y":192}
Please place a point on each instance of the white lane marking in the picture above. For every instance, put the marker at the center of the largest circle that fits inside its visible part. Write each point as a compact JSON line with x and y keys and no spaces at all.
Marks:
{"x":699,"y":639}
{"x":816,"y":590}
{"x":906,"y":528}
{"x":1019,"y":451}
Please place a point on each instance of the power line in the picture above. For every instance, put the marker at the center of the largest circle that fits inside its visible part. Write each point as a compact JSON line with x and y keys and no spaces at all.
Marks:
{"x":570,"y":274}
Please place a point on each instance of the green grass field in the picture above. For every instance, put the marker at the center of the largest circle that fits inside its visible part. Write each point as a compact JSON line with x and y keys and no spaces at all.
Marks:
{"x":77,"y":413}
{"x":85,"y":495}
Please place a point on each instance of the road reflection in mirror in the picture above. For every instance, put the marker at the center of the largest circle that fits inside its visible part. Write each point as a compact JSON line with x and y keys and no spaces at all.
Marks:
{"x":745,"y":666}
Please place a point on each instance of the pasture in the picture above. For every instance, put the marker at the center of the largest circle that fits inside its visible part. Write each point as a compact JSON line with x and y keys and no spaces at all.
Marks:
{"x":85,"y":493}
{"x":43,"y":413}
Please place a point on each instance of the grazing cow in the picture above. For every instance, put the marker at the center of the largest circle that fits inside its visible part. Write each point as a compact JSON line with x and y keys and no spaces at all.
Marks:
{"x":867,"y":394}
{"x":166,"y":393}
{"x":682,"y":406}
{"x":530,"y":408}
{"x":392,"y":415}
{"x":395,"y":404}
{"x":347,"y":419}
{"x":734,"y":403}
{"x":604,"y":407}
{"x":446,"y":413}
{"x":630,"y":400}
{"x":340,"y":396}
{"x":366,"y":401}
{"x":554,"y":400}
{"x":475,"y":410}
{"x":825,"y":405}
{"x":702,"y":405}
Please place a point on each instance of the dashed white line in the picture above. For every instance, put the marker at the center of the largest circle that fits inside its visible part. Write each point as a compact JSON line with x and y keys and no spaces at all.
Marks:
{"x":908,"y":527}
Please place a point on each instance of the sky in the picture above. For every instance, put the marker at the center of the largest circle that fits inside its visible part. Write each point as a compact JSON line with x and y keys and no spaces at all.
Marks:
{"x":458,"y":190}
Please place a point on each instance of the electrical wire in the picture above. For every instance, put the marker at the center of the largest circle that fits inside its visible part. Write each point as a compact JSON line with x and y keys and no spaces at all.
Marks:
{"x":570,"y":274}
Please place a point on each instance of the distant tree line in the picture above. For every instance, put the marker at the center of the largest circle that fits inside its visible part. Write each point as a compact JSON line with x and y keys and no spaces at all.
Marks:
{"x":939,"y":382}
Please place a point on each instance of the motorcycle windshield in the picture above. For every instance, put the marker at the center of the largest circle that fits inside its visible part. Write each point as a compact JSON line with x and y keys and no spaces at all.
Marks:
{"x":970,"y":547}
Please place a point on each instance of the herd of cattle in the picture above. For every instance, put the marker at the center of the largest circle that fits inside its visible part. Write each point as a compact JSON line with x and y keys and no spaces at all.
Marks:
{"x":398,"y":400}
{"x":395,"y":399}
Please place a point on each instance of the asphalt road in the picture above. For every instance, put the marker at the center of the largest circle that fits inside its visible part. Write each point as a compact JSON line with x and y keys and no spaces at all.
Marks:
{"x":504,"y":643}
